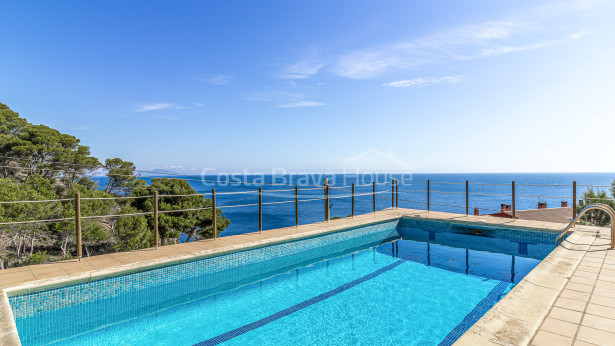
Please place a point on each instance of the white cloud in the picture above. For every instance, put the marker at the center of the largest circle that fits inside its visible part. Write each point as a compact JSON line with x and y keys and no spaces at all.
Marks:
{"x":452,"y":44}
{"x":284,"y":99}
{"x":165,"y":106}
{"x":276,"y":96}
{"x":541,"y":25}
{"x":301,"y":104}
{"x":511,"y":49}
{"x":302,"y":69}
{"x":309,"y":65}
{"x":368,"y":63}
{"x":154,"y":107}
{"x":218,"y":79}
{"x":424,"y":81}
{"x":577,"y":35}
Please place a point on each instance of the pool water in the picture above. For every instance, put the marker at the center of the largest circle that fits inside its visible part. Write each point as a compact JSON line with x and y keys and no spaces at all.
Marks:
{"x":409,"y":282}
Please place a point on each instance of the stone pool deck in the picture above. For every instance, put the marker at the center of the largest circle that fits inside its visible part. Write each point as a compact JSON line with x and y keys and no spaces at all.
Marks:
{"x":569,"y":298}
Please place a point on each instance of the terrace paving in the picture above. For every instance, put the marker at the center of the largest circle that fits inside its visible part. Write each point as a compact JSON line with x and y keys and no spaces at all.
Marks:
{"x":557,"y":215}
{"x":569,"y":298}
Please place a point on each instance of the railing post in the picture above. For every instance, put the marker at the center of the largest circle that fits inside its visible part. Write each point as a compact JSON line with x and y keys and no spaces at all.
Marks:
{"x":467,"y":198}
{"x":78,"y":224}
{"x":352,"y":212}
{"x":374,"y":195}
{"x":214,"y":215}
{"x":428,"y":187}
{"x":396,"y":193}
{"x":574,"y":199}
{"x":326,"y":192}
{"x":392,"y":193}
{"x":260,"y":210}
{"x":156,"y":235}
{"x":514,"y":201}
{"x":296,"y":206}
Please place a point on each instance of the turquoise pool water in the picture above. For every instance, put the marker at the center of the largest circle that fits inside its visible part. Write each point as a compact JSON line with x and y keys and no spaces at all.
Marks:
{"x":408,"y":282}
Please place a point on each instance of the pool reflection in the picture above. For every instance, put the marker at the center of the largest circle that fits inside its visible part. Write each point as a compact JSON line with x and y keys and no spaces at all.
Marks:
{"x":471,"y":253}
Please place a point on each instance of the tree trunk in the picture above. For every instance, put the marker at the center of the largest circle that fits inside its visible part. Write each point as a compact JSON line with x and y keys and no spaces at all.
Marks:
{"x":32,"y":243}
{"x":64,"y":246}
{"x":25,"y":244}
{"x":1,"y":264}
{"x":18,"y":247}
{"x":191,"y":234}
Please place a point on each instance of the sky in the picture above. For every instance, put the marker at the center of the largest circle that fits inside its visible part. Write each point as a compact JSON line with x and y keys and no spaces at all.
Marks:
{"x":302,"y":86}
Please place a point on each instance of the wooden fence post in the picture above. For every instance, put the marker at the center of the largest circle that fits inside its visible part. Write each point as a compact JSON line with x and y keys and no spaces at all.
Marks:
{"x":514,"y":201}
{"x":260,"y":210}
{"x":574,"y":199}
{"x":392,"y":193}
{"x":352,"y":212}
{"x":78,"y":224}
{"x":296,"y":206}
{"x":428,"y":187}
{"x":396,"y":194}
{"x":326,"y":192}
{"x":156,"y":235}
{"x":467,"y":198}
{"x":214,"y":215}
{"x":374,"y":195}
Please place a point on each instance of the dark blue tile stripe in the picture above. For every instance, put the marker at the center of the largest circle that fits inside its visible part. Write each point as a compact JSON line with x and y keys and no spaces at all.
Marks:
{"x":479,"y":310}
{"x":254,"y":325}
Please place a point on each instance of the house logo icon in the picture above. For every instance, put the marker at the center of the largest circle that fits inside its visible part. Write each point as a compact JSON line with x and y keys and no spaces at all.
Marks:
{"x":374,"y":160}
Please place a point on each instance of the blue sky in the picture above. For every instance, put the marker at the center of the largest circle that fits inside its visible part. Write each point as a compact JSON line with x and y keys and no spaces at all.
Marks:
{"x":420,"y":86}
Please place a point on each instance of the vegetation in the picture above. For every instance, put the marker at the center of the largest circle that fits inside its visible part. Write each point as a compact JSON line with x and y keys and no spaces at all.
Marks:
{"x":597,"y":217}
{"x":38,"y":163}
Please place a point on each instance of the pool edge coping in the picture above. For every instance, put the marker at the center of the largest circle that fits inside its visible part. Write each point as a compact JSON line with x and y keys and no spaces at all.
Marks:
{"x":516,"y":318}
{"x":9,"y":330}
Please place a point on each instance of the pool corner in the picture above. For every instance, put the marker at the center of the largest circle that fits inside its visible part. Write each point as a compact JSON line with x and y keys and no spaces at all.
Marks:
{"x":8,"y":329}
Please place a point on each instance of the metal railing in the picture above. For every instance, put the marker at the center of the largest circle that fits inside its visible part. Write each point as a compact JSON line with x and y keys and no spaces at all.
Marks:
{"x":326,"y":198}
{"x":513,"y":195}
{"x":77,"y":201}
{"x":594,"y":206}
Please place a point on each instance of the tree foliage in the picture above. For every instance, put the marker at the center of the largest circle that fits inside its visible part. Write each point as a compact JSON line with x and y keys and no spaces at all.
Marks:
{"x":41,"y":163}
{"x":597,"y":217}
{"x":122,"y":177}
{"x":170,"y":225}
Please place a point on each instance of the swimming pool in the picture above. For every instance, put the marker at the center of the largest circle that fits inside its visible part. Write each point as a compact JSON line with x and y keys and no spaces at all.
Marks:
{"x":408,"y":281}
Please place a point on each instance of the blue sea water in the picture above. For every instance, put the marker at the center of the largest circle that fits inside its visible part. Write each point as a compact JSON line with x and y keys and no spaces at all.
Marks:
{"x":448,"y":197}
{"x":410,"y":282}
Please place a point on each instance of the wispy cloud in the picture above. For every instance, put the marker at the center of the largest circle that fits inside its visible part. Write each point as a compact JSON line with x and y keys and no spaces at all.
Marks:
{"x":284,"y":99}
{"x":535,"y":29}
{"x":577,"y":35}
{"x":302,"y":69}
{"x":276,"y":96}
{"x":311,"y":63}
{"x":511,"y":49}
{"x":164,"y":106}
{"x":456,"y":44}
{"x":154,"y":107}
{"x":301,"y":104}
{"x":424,"y":81}
{"x":218,"y":79}
{"x":369,"y":63}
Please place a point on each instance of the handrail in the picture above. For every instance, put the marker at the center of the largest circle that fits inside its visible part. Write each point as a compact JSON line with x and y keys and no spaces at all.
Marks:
{"x":593,"y":206}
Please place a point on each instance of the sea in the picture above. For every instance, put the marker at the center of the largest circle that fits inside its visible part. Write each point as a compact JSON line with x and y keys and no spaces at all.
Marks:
{"x":237,"y":195}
